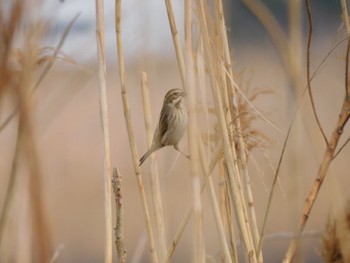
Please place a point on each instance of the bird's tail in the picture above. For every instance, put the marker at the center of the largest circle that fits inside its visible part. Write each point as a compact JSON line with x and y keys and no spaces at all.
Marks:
{"x":148,"y":153}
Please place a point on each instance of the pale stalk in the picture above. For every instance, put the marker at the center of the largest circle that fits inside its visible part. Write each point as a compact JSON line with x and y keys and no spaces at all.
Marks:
{"x":176,"y":41}
{"x":105,"y":129}
{"x":131,"y":137}
{"x":232,"y":116}
{"x":153,"y":169}
{"x":193,"y":134}
{"x":226,"y":213}
{"x":214,"y":202}
{"x":235,"y":114}
{"x":233,"y":172}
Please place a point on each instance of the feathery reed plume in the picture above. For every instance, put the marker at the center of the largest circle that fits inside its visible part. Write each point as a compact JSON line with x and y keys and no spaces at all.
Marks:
{"x":48,"y":60}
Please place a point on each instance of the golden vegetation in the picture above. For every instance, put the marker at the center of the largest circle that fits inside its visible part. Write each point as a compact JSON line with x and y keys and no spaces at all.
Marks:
{"x":205,"y":69}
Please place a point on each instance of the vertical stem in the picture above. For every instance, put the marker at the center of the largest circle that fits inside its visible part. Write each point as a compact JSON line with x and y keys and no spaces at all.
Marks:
{"x":154,"y":175}
{"x":216,"y":210}
{"x":233,"y":179}
{"x":105,"y":129}
{"x":193,"y":142}
{"x":132,"y":143}
{"x":176,"y":40}
{"x":235,"y":115}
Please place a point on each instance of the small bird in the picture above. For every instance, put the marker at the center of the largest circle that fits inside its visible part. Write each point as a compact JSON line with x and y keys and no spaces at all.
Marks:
{"x":172,"y":123}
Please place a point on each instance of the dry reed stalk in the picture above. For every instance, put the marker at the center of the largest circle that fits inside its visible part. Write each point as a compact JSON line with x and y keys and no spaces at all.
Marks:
{"x":233,"y":172}
{"x":225,"y":209}
{"x":226,"y":213}
{"x":40,"y":225}
{"x":233,"y":107}
{"x":193,"y":133}
{"x":107,"y":177}
{"x":216,"y":210}
{"x":39,"y":221}
{"x":154,"y":175}
{"x":119,"y":228}
{"x":13,"y":174}
{"x":132,"y":143}
{"x":181,"y":228}
{"x":176,"y":41}
{"x":323,"y":168}
{"x":8,"y":78}
{"x":20,"y":83}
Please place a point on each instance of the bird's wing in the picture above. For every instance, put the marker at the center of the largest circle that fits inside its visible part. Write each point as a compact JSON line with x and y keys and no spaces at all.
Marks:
{"x":163,"y":121}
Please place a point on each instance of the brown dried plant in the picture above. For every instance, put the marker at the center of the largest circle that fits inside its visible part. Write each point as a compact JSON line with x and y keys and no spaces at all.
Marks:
{"x":253,"y":137}
{"x":330,"y":243}
{"x":21,"y":59}
{"x":336,"y":240}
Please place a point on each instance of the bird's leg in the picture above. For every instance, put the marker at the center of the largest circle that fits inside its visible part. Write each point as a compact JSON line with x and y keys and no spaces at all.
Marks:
{"x":177,"y":149}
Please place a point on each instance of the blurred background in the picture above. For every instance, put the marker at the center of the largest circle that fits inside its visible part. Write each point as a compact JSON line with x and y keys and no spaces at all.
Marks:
{"x":69,"y":135}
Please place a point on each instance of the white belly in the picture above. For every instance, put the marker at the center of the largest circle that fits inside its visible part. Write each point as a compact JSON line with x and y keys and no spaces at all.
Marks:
{"x":174,"y":135}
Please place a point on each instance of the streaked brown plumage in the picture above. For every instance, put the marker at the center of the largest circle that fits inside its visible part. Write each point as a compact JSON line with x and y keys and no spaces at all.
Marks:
{"x":172,"y":123}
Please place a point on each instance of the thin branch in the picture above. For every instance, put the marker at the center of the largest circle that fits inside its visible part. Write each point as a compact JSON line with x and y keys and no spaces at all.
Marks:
{"x":56,"y":52}
{"x":321,"y":174}
{"x":308,"y":9}
{"x":11,"y":184}
{"x":347,"y":87}
{"x":341,"y":148}
{"x":284,"y":146}
{"x":251,"y":105}
{"x":330,"y":52}
{"x":275,"y":180}
{"x":323,"y":169}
